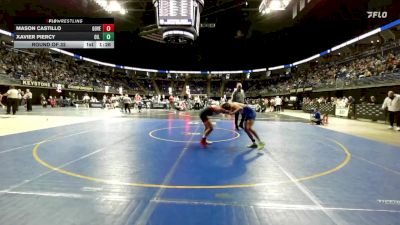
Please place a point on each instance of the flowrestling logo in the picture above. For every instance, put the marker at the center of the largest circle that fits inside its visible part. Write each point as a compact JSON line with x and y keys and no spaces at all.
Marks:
{"x":377,"y":14}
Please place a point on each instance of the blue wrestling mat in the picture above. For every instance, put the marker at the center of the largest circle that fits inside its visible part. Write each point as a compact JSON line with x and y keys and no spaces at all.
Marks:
{"x":154,"y":171}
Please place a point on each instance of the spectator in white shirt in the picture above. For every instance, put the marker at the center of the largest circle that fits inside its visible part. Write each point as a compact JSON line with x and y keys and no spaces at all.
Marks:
{"x":392,"y":105}
{"x":272,"y":105}
{"x":278,"y":103}
{"x":86,"y":100}
{"x":20,"y":99}
{"x":1,"y":98}
{"x":28,"y":98}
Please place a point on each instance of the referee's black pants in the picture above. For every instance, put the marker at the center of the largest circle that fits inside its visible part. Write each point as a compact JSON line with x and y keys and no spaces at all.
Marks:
{"x":12,"y":103}
{"x":393,"y":116}
{"x":29,"y":104}
{"x":127,"y":107}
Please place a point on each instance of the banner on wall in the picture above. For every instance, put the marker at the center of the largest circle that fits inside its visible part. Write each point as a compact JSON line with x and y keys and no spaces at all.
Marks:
{"x":35,"y":83}
{"x":308,"y":89}
{"x":42,"y":84}
{"x":62,"y":86}
{"x":342,"y":111}
{"x":80,"y":88}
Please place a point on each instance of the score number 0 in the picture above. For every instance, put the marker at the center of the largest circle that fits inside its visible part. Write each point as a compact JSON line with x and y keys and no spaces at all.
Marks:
{"x":109,"y":36}
{"x":108,"y":27}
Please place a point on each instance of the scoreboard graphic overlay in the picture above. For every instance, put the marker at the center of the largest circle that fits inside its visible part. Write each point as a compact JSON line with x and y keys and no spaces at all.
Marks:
{"x":64,"y":33}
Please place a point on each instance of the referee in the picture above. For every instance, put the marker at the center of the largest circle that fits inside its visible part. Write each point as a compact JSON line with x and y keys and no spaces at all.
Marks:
{"x":238,"y":96}
{"x":12,"y":100}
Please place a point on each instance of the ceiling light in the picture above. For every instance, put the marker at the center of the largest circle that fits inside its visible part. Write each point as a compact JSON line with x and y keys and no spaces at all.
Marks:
{"x":267,"y":6}
{"x":286,"y":2}
{"x":102,"y":3}
{"x":114,"y":6}
{"x":276,"y":5}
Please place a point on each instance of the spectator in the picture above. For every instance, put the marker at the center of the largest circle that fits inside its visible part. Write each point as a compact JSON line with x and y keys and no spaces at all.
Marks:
{"x":20,"y":99}
{"x":392,"y":105}
{"x":86,"y":100}
{"x":1,"y":98}
{"x":28,"y":99}
{"x":363,"y":100}
{"x":372,"y":100}
{"x":317,"y":117}
{"x":43,"y":101}
{"x":352,"y":105}
{"x":272,"y":105}
{"x":278,"y":103}
{"x":171,"y":102}
{"x":138,"y":101}
{"x":52,"y":101}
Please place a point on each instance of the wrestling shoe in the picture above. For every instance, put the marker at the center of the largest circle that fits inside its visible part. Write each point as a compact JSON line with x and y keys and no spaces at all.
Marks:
{"x":261,"y":145}
{"x":203,"y":142}
{"x":252,"y":145}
